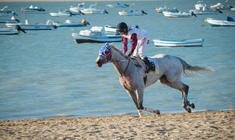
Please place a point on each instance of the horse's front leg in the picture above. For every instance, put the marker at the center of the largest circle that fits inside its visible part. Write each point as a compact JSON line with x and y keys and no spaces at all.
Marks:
{"x":140,"y":107}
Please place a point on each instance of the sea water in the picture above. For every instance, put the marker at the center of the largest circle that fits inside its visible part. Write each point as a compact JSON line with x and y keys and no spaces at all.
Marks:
{"x":45,"y":74}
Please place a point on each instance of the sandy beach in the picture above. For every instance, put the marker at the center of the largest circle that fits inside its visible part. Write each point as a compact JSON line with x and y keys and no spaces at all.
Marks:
{"x":198,"y":125}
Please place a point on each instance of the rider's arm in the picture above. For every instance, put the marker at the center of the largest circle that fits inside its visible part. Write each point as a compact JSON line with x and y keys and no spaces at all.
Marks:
{"x":124,"y":45}
{"x":133,"y":43}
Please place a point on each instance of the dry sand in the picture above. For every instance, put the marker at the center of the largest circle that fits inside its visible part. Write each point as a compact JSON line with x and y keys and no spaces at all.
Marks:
{"x":199,"y":125}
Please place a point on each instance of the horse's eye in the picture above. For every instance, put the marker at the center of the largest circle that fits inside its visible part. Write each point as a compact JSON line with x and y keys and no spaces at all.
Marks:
{"x":106,"y":52}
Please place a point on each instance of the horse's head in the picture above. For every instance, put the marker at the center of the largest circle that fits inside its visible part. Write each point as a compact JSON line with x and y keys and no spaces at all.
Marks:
{"x":104,"y":55}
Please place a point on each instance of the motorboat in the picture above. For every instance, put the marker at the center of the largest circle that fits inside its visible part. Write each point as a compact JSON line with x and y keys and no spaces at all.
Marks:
{"x":65,"y":13}
{"x":69,"y":23}
{"x":132,"y":12}
{"x":215,"y":22}
{"x":161,"y":9}
{"x":27,"y":26}
{"x":6,"y":12}
{"x":32,"y":8}
{"x":202,"y":9}
{"x":200,"y":6}
{"x":75,"y":10}
{"x":220,"y":6}
{"x":177,"y":14}
{"x":178,"y":43}
{"x":109,"y":28}
{"x":118,"y":5}
{"x":13,"y":19}
{"x":8,"y":31}
{"x":95,"y":35}
{"x":93,"y":10}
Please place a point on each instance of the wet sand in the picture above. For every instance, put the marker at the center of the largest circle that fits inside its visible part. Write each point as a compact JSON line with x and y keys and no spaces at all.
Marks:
{"x":198,"y":125}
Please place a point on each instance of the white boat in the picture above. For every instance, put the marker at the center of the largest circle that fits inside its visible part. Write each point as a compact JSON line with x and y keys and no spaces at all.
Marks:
{"x":65,"y":13}
{"x":161,"y":9}
{"x":8,"y":31}
{"x":6,"y":12}
{"x":69,"y":23}
{"x":75,"y":10}
{"x":32,"y":8}
{"x":93,"y":10}
{"x":27,"y":26}
{"x":178,"y":43}
{"x":177,"y":14}
{"x":95,"y":35}
{"x":132,"y":12}
{"x":216,"y":22}
{"x":200,"y":6}
{"x":118,"y":5}
{"x":218,"y":6}
{"x":13,"y":19}
{"x":109,"y":28}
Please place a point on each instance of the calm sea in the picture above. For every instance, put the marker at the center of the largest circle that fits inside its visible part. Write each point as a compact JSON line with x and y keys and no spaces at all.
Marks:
{"x":45,"y":74}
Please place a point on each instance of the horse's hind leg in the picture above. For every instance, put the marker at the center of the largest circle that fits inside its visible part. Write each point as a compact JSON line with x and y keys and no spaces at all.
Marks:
{"x":186,"y":104}
{"x":181,"y":87}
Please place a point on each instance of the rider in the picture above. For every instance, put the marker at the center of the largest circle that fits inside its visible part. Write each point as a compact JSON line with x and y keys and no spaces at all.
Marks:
{"x":139,"y":41}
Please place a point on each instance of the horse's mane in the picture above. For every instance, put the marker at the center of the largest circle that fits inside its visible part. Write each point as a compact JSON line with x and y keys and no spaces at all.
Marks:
{"x":119,"y":51}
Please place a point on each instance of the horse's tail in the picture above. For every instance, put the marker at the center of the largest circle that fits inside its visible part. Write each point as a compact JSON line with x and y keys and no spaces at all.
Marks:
{"x":189,"y":67}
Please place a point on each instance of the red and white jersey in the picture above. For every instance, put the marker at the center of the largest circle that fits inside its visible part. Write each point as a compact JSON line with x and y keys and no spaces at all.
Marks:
{"x":141,"y":34}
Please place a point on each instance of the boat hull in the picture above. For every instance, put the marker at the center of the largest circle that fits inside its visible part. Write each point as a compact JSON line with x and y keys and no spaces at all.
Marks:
{"x":96,"y":39}
{"x":33,"y":27}
{"x":8,"y":31}
{"x":179,"y":43}
{"x":214,"y":22}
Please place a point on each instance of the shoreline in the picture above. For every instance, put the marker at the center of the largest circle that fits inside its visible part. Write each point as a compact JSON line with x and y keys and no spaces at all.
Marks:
{"x":197,"y":125}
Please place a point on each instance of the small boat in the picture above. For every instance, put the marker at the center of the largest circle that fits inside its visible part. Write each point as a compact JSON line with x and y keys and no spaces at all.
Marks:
{"x":178,"y":43}
{"x":65,"y":13}
{"x":75,"y":10}
{"x":27,"y":26}
{"x":215,"y":22}
{"x":93,"y":10}
{"x":69,"y":23}
{"x":8,"y":31}
{"x":6,"y":12}
{"x":132,"y":12}
{"x":201,"y":9}
{"x":13,"y":19}
{"x":32,"y":8}
{"x":200,"y":6}
{"x":95,"y":35}
{"x":161,"y":9}
{"x":109,"y":28}
{"x":177,"y":14}
{"x":118,"y":5}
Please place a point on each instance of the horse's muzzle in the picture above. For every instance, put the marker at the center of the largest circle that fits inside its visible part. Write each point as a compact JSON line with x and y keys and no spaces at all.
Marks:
{"x":99,"y":63}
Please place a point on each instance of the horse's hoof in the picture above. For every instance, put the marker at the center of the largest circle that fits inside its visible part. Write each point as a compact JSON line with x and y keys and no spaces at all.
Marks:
{"x":192,"y":105}
{"x":157,"y":112}
{"x":189,"y":110}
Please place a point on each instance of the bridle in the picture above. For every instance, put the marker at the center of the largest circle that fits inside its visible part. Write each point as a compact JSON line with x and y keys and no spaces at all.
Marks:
{"x":105,"y":51}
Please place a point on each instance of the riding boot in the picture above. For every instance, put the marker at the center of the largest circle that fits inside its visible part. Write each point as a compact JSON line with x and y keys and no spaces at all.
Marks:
{"x":146,"y":61}
{"x":149,"y":65}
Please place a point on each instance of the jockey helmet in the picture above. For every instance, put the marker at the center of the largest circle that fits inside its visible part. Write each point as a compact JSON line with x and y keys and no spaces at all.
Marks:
{"x":122,"y":27}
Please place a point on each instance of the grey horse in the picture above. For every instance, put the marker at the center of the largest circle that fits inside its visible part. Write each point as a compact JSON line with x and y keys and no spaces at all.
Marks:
{"x":132,"y":76}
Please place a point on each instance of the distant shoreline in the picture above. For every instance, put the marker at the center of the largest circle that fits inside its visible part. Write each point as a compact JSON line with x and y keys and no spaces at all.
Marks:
{"x":72,"y":0}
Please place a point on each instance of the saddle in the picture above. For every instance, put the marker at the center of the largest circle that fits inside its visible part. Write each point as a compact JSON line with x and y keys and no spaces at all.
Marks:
{"x":149,"y":65}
